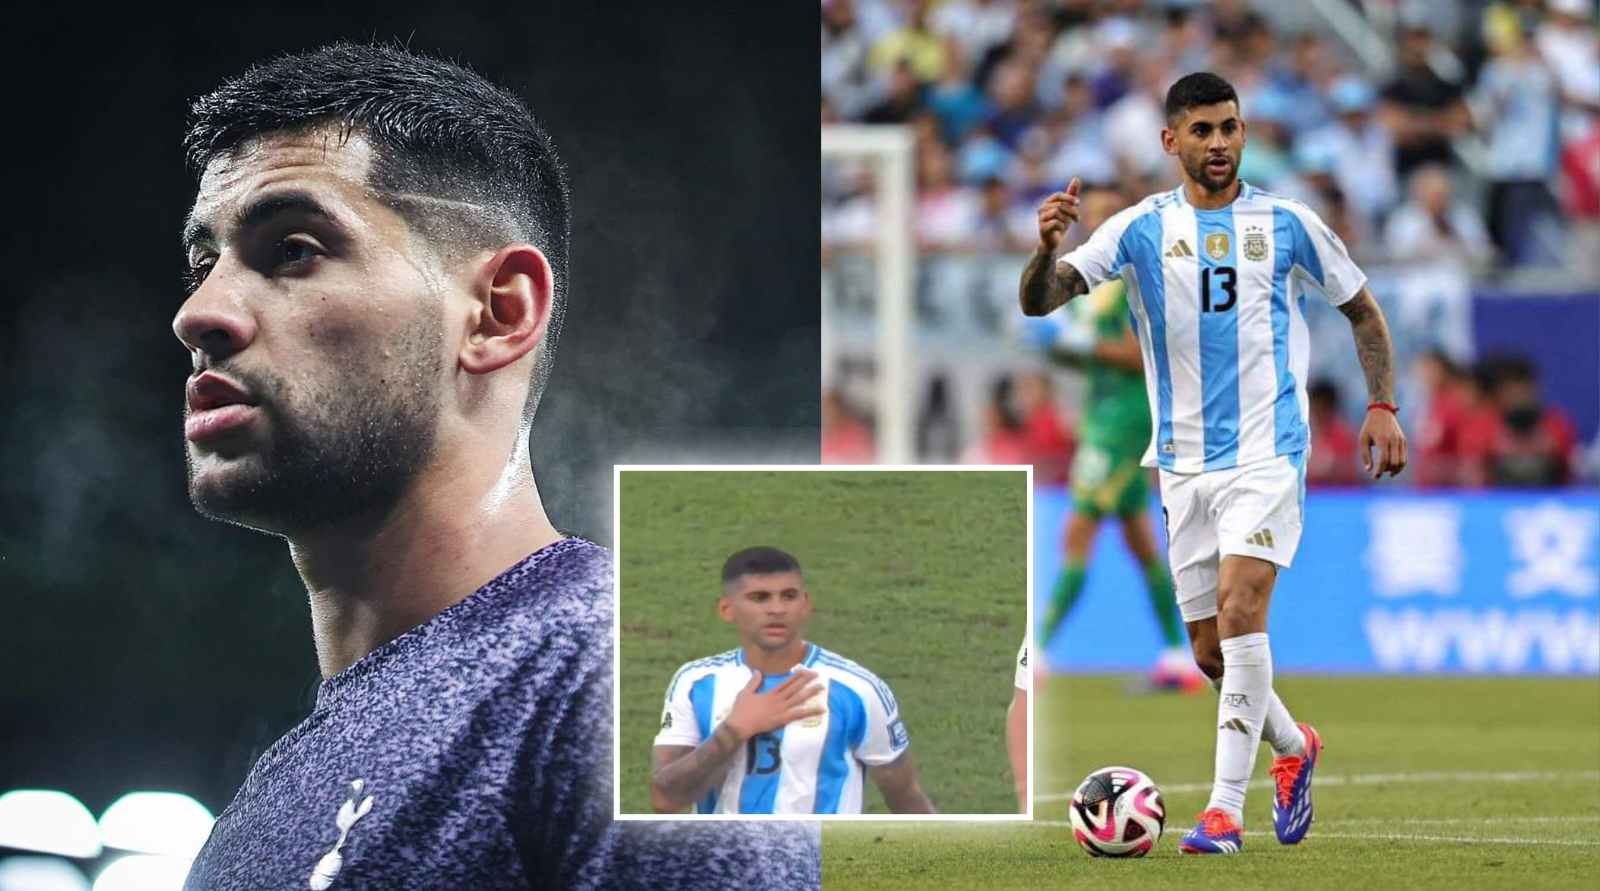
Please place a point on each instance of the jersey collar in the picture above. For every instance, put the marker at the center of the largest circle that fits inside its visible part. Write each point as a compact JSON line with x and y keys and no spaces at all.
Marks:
{"x":812,"y":652}
{"x":1245,"y":191}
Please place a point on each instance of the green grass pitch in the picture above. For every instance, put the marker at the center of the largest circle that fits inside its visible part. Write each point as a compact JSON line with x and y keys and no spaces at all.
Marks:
{"x":920,"y":576}
{"x":1425,"y":783}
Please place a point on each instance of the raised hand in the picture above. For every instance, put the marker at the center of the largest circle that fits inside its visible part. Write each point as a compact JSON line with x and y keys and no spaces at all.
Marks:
{"x":757,"y":713}
{"x":1058,"y":212}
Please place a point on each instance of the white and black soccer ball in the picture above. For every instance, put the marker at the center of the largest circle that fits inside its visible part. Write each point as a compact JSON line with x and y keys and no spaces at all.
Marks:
{"x":1117,"y":812}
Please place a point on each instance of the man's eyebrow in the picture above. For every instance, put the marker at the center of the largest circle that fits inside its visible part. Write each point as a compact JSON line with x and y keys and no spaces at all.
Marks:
{"x":1222,"y":124}
{"x":257,"y":213}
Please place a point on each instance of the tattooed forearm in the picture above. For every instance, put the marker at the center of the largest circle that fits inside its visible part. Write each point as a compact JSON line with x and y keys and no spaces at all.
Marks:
{"x":680,"y":781}
{"x":1042,"y":289}
{"x":1373,"y":347}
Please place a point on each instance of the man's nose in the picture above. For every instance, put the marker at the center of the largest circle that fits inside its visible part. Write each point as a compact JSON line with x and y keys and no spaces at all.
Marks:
{"x":214,"y":321}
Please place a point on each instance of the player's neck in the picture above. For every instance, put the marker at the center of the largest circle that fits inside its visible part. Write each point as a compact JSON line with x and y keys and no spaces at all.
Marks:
{"x":1201,"y":198}
{"x":776,"y":662}
{"x":462,"y":523}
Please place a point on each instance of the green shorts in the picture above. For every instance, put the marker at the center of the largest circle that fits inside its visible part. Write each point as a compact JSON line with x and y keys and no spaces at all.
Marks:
{"x":1106,"y":482}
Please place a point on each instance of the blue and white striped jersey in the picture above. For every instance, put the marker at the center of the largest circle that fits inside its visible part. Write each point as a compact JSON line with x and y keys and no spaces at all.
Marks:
{"x":811,"y":766}
{"x":1217,"y":298}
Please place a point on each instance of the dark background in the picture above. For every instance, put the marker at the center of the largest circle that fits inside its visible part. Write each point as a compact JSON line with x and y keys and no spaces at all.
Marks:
{"x":144,"y":647}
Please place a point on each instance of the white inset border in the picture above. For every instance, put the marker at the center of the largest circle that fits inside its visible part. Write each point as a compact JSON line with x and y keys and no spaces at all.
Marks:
{"x":616,"y":639}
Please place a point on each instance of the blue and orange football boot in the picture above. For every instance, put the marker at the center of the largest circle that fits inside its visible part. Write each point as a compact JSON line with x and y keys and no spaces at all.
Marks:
{"x":1216,"y":834}
{"x":1291,"y":800}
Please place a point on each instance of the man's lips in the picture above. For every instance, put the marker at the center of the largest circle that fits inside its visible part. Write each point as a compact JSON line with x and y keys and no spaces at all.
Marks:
{"x":217,"y":406}
{"x":215,"y":422}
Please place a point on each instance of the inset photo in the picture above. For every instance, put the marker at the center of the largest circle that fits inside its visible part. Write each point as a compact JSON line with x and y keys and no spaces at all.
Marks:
{"x":839,"y":643}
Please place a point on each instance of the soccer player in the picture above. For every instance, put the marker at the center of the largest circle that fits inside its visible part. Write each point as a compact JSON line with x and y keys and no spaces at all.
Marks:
{"x":780,"y":725}
{"x":1107,"y":478}
{"x":378,"y":260}
{"x":1017,"y":727}
{"x":1217,"y":272}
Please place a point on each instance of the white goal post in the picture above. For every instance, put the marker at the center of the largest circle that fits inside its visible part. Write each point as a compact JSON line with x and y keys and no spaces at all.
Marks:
{"x":890,"y":151}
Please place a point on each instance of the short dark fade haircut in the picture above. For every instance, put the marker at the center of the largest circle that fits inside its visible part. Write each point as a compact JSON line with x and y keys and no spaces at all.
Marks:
{"x":438,"y":130}
{"x":1199,"y":88}
{"x":761,"y":560}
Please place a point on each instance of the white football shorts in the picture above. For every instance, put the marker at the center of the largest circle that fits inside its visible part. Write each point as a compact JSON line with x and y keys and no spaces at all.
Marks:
{"x":1254,"y":510}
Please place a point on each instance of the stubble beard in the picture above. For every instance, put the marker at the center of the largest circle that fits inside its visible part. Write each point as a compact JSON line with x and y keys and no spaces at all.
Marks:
{"x":338,"y":452}
{"x":1199,"y":175}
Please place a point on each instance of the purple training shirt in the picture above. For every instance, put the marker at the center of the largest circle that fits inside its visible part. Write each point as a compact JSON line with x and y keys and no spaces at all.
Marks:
{"x":474,"y":751}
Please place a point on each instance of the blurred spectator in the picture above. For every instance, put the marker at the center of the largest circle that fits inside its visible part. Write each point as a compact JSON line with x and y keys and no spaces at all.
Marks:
{"x":1516,"y":106}
{"x":1536,"y":442}
{"x":1078,"y":135}
{"x":1301,"y":83}
{"x":955,"y":99}
{"x":1048,"y":441}
{"x":1266,"y":157}
{"x":982,"y":155}
{"x":1002,"y":439}
{"x":846,"y":439}
{"x":1013,"y":109}
{"x":1511,"y":438}
{"x":1360,"y":148}
{"x":1117,"y":46}
{"x":1439,"y":431}
{"x":1568,"y":43}
{"x":978,"y":25}
{"x":1139,"y":117}
{"x":999,"y":224}
{"x":847,"y":86}
{"x":1185,"y":40}
{"x":1333,"y":440}
{"x":1479,"y":428}
{"x":913,"y":45}
{"x":1435,"y":228}
{"x":903,"y":101}
{"x":946,"y":211}
{"x":1580,"y":163}
{"x":1423,"y":111}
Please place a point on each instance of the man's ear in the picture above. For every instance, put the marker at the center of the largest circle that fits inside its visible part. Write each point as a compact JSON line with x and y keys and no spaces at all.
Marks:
{"x":514,"y":290}
{"x":725,"y":609}
{"x":1169,"y":141}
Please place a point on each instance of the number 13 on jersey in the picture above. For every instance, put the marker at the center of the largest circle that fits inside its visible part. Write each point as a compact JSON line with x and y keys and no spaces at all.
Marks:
{"x":1226,"y":279}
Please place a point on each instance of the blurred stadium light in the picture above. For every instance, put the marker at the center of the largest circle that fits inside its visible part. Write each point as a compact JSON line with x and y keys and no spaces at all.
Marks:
{"x":28,"y":873}
{"x":49,"y":822}
{"x":143,"y":872}
{"x":162,"y":823}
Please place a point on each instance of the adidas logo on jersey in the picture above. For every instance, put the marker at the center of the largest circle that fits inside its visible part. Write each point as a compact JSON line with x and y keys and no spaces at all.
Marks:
{"x":1179,"y":248}
{"x":1262,"y":539}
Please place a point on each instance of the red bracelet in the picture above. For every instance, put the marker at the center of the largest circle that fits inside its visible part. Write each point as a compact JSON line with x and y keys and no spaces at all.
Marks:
{"x":1389,"y":407}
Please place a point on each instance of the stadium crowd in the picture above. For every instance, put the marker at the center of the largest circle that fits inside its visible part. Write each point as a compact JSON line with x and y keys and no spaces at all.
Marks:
{"x":1476,"y":151}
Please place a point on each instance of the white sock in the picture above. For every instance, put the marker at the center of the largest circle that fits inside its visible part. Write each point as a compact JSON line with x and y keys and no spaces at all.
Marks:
{"x":1241,"y":710}
{"x":1278,"y":728}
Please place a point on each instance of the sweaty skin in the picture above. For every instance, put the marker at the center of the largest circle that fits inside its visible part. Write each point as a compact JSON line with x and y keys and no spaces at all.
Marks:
{"x":339,"y":325}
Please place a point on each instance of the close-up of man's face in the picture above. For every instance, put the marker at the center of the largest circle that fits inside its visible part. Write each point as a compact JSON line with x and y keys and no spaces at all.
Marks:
{"x":1209,"y":142}
{"x":769,"y":609}
{"x":316,"y":336}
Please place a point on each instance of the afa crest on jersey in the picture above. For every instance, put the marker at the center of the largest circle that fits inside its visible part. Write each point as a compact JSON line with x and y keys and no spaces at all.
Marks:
{"x":1255,"y":244}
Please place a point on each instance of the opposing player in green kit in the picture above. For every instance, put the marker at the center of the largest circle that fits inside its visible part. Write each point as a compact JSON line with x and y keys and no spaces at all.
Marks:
{"x":1093,"y":334}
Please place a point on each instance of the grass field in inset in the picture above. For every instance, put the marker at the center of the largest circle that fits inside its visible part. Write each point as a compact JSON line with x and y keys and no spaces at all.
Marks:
{"x":1453,"y":783}
{"x":920,"y":576}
